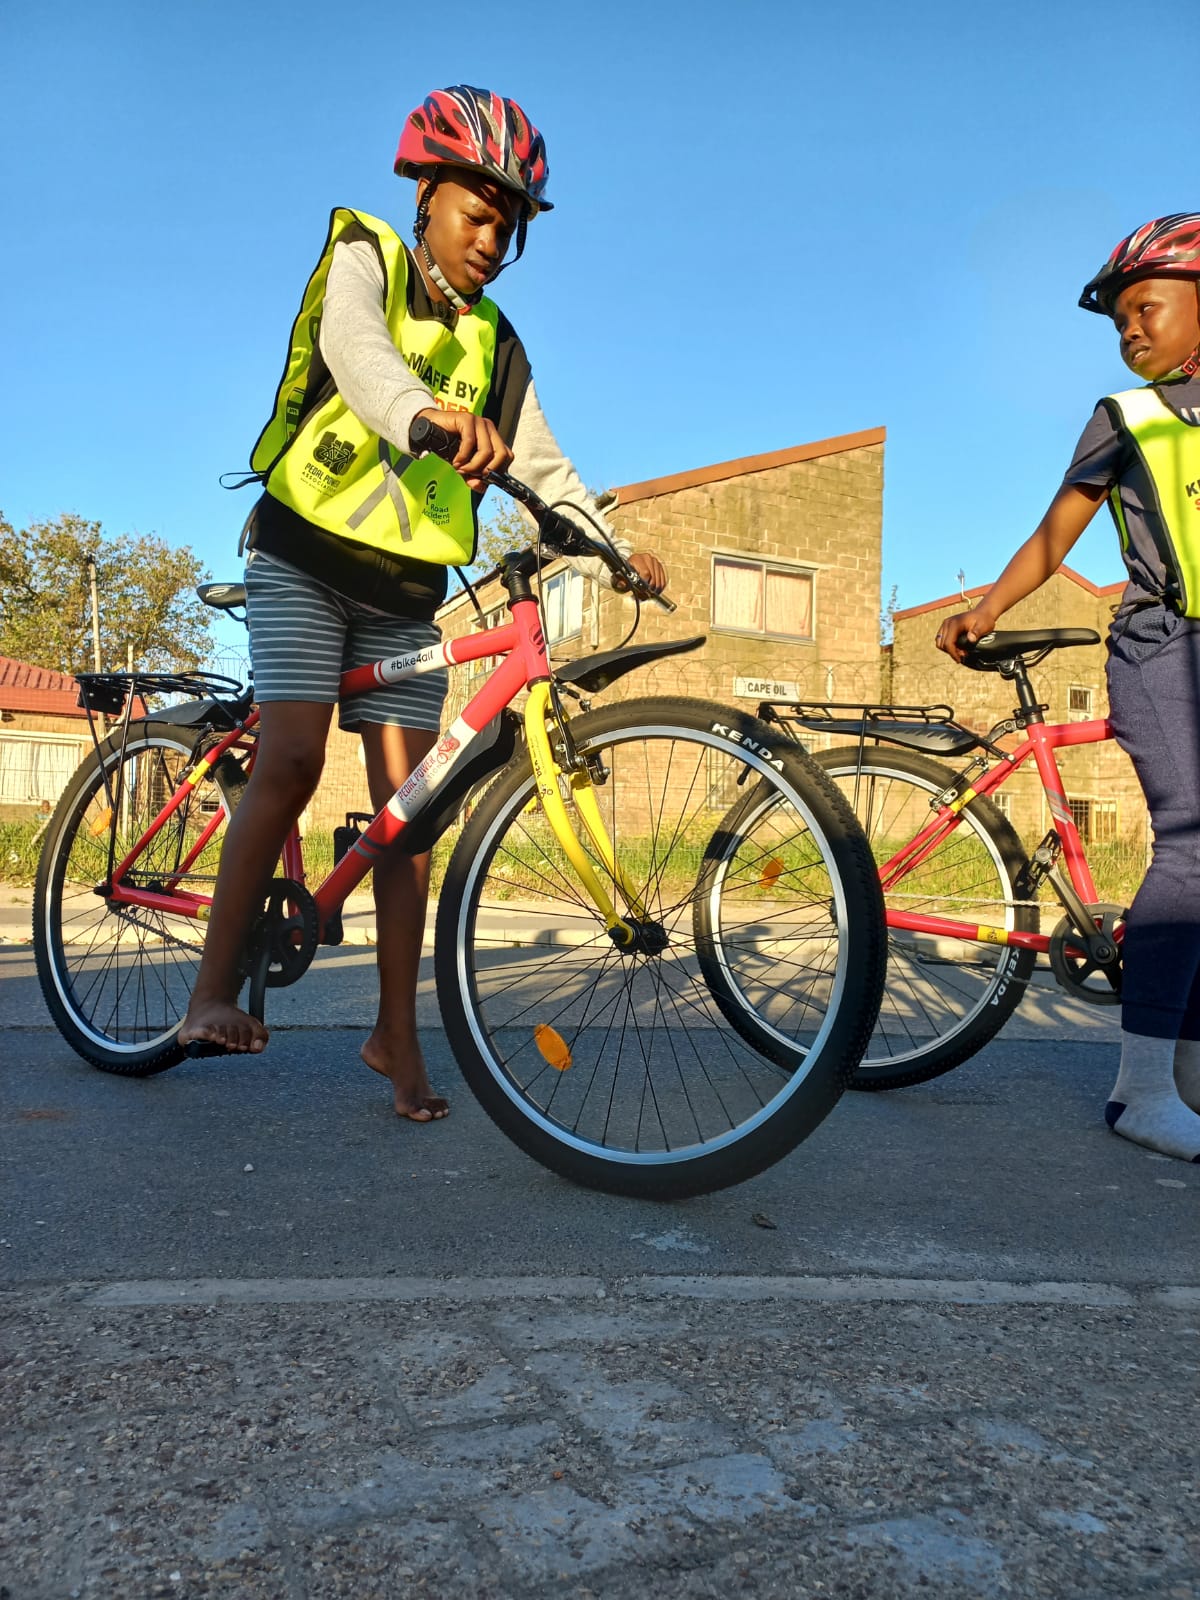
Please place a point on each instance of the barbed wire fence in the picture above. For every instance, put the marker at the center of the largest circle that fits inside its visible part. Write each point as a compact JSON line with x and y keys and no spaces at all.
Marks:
{"x":36,"y":766}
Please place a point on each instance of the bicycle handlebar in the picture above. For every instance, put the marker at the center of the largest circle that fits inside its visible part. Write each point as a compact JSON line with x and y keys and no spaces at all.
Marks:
{"x":561,"y":535}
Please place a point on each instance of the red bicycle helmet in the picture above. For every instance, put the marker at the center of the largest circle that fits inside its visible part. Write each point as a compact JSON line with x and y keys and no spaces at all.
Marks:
{"x":465,"y":127}
{"x":1168,"y":247}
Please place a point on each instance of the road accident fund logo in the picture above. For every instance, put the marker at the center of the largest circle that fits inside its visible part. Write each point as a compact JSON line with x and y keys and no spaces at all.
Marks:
{"x":436,"y":513}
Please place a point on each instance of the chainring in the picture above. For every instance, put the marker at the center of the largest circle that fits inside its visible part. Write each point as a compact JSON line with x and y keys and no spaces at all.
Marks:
{"x":285,"y":941}
{"x":1078,"y":973}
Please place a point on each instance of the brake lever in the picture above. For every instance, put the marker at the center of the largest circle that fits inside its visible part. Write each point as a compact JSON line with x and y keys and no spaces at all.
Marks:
{"x":642,"y":591}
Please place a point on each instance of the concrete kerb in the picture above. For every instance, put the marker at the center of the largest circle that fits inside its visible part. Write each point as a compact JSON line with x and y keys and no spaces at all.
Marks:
{"x":856,"y":1288}
{"x":358,"y":924}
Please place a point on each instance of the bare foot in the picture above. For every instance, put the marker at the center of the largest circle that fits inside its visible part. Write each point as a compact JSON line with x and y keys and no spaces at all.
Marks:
{"x":220,"y":1022}
{"x":412,"y":1095}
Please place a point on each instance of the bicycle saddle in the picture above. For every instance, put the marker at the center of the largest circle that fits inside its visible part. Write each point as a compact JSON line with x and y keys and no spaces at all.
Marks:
{"x":996,"y":650}
{"x":224,"y":596}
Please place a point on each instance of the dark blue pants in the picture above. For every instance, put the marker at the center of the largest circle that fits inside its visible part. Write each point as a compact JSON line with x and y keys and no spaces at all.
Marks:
{"x":1154,"y":705}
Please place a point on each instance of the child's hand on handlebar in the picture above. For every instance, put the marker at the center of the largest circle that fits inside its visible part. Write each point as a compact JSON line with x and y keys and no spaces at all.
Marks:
{"x":650,"y":569}
{"x":480,"y":448}
{"x":971,"y":624}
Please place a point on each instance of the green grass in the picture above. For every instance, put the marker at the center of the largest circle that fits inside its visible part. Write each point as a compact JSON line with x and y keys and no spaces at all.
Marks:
{"x":1118,"y":868}
{"x":20,"y":846}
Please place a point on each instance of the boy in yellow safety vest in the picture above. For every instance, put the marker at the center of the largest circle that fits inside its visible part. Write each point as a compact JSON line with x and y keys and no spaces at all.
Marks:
{"x":1141,"y":450}
{"x":349,"y":552}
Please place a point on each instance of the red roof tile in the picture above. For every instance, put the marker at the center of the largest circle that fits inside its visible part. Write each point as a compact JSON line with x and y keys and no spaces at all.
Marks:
{"x":24,"y":687}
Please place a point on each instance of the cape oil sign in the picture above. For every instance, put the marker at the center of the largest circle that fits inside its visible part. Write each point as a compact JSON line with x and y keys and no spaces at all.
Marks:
{"x":765,"y":689}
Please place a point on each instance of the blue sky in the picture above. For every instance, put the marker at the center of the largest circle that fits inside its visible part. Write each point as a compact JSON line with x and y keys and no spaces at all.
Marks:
{"x":774,"y":223}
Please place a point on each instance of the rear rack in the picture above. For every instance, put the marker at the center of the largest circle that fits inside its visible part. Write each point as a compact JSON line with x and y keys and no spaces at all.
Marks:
{"x":930,"y":729}
{"x":814,"y":713}
{"x":108,"y":693}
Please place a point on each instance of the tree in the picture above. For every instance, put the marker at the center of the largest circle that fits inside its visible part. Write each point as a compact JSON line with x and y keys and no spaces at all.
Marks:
{"x":148,"y":611}
{"x":887,"y":617}
{"x":508,"y":528}
{"x":505,"y":529}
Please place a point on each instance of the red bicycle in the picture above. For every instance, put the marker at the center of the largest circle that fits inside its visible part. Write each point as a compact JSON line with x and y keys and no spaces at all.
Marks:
{"x":659,"y":942}
{"x":961,"y":892}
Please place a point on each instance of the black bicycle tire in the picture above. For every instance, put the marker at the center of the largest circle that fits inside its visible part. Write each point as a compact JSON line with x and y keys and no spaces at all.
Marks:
{"x":812,"y":1095}
{"x":54,"y":969}
{"x":739,"y":1011}
{"x":1013,"y":966}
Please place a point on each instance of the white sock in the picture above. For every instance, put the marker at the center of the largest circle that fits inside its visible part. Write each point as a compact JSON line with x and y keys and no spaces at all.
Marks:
{"x":1187,"y":1072}
{"x":1145,"y":1105}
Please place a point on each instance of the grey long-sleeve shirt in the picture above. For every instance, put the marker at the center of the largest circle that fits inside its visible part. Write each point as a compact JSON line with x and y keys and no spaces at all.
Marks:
{"x":372,"y":376}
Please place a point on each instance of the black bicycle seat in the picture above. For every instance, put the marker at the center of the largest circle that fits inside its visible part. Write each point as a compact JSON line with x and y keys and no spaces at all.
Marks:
{"x":996,"y":650}
{"x":224,"y":596}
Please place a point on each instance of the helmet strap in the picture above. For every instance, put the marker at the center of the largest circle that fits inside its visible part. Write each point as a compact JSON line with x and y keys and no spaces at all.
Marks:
{"x":444,"y":284}
{"x":435,"y":272}
{"x":522,"y":229}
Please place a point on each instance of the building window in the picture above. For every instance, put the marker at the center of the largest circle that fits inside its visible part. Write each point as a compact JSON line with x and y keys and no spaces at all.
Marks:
{"x":1079,"y":703}
{"x":491,"y":619}
{"x":562,"y":605}
{"x":721,"y":781}
{"x":1002,"y":801}
{"x":1095,"y":819}
{"x":36,"y":769}
{"x":761,"y":597}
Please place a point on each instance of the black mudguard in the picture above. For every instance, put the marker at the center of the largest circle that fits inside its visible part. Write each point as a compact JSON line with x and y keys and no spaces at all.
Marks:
{"x":593,"y":673}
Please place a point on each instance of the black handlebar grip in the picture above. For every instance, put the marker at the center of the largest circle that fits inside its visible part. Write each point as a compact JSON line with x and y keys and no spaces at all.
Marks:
{"x":425,"y":436}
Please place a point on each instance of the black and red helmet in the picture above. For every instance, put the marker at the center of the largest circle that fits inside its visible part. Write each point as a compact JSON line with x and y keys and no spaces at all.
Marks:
{"x":473,"y":128}
{"x":1168,"y":247}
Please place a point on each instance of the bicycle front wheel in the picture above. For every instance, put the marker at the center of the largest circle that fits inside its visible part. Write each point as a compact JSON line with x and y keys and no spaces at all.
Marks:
{"x":620,"y":1068}
{"x":946,"y":997}
{"x":117,"y":977}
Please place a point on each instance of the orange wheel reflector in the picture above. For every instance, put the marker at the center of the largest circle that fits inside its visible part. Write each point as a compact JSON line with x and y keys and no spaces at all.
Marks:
{"x":772,"y":873}
{"x":552,"y":1047}
{"x":101,"y":823}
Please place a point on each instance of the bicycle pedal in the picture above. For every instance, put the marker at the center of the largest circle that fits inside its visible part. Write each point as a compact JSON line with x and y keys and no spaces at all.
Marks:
{"x":199,"y":1048}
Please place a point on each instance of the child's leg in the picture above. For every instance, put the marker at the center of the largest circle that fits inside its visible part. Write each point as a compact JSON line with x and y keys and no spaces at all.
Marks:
{"x":1144,"y":1104}
{"x":1187,"y":1072}
{"x":1154,"y":694}
{"x":401,"y":885}
{"x":291,"y":750}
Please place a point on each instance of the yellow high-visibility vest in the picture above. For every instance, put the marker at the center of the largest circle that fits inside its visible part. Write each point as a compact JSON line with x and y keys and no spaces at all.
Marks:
{"x":1170,"y":452}
{"x":331,"y":469}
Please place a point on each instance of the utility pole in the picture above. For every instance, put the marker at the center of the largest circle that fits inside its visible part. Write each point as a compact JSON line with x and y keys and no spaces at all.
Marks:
{"x":91,"y":568}
{"x":90,"y":561}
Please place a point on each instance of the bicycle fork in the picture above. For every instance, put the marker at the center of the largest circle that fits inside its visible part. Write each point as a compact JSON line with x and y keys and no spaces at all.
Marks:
{"x":634,"y":930}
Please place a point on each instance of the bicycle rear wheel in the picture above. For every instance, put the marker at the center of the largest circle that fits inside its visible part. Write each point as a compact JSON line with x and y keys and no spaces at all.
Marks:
{"x":617,"y":1068}
{"x":945,"y":997}
{"x":117,"y":978}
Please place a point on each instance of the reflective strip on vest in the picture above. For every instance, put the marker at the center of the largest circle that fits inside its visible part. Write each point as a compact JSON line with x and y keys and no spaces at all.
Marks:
{"x":1170,"y":452}
{"x":332,"y":469}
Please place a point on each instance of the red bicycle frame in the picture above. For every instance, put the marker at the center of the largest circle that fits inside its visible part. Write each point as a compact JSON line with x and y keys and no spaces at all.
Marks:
{"x":1041,"y":741}
{"x":522,"y":645}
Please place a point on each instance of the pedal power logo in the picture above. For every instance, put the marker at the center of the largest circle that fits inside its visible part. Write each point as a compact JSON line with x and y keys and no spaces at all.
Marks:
{"x":334,"y":453}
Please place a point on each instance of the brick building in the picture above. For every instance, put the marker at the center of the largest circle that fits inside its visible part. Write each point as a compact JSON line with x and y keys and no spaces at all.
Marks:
{"x":43,"y":737}
{"x":776,"y":558}
{"x":1101,"y":787}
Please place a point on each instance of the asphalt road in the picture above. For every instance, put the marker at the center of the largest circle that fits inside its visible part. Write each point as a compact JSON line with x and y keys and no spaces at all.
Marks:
{"x":264,"y":1339}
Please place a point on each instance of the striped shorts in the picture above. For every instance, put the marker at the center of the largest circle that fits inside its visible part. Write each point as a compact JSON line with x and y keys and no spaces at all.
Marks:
{"x":303,"y":636}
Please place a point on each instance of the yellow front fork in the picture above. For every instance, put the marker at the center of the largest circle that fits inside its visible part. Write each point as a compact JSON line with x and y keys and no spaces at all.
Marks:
{"x":547,"y":772}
